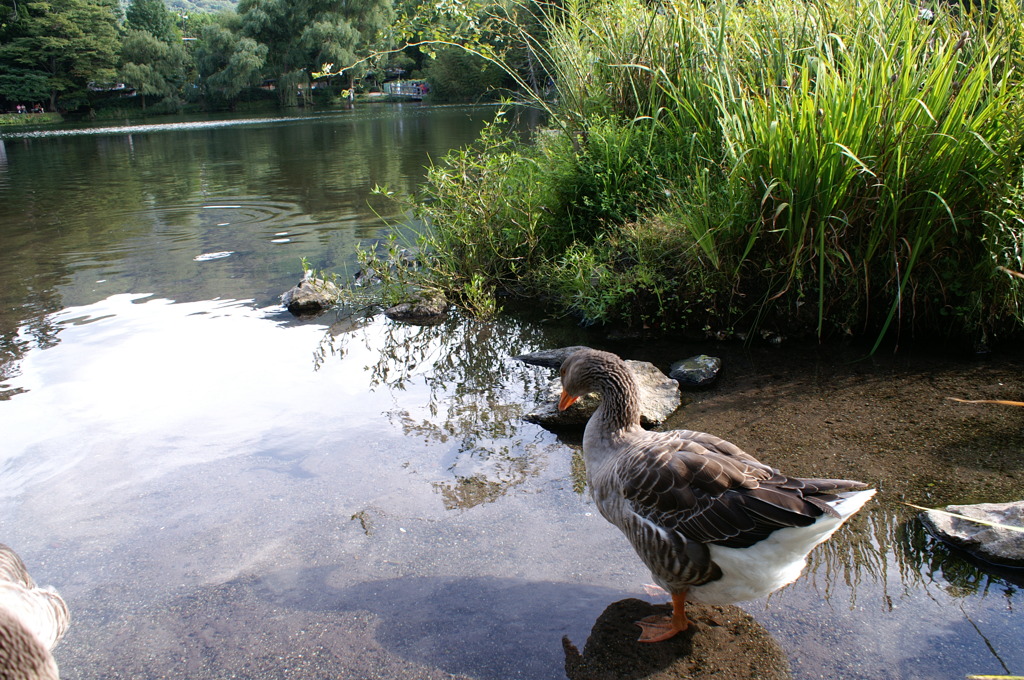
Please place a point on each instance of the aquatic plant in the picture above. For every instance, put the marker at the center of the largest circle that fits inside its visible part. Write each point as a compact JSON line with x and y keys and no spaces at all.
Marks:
{"x":832,"y":167}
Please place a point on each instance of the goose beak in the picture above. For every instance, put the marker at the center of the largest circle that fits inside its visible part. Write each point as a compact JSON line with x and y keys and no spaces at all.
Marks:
{"x":566,"y":401}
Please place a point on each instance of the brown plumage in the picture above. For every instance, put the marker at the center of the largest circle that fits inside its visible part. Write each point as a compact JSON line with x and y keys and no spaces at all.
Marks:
{"x":32,"y":621}
{"x":709,"y":520}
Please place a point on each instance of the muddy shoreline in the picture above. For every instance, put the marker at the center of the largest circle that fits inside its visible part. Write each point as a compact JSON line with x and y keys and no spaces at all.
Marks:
{"x":886,"y":420}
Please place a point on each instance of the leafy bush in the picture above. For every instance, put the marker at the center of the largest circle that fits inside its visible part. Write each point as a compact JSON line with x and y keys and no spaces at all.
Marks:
{"x":488,"y":211}
{"x":649,"y":274}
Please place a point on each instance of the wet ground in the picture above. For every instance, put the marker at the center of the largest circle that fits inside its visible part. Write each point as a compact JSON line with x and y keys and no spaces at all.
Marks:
{"x":242,"y":495}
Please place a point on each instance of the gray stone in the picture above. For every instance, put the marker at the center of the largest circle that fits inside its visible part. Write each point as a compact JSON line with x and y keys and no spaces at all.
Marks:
{"x":549,"y":358}
{"x":426,"y":311}
{"x":311,"y":297}
{"x":659,"y":398}
{"x":697,"y":371}
{"x":992,"y":544}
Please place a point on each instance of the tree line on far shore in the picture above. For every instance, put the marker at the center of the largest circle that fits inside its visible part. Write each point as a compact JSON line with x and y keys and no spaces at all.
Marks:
{"x":77,"y":55}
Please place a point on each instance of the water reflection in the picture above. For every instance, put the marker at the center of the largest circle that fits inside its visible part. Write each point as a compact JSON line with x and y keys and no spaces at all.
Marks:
{"x":148,"y":127}
{"x":908,"y":606}
{"x":477,"y":395}
{"x":887,"y":552}
{"x":961,"y":574}
{"x":87,"y":214}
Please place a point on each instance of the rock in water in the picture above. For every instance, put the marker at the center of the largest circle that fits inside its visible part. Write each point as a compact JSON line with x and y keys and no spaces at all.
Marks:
{"x":427,"y":311}
{"x":659,"y":398}
{"x":549,"y":358}
{"x":725,"y":643}
{"x":996,"y":545}
{"x":311,"y":297}
{"x":697,"y":371}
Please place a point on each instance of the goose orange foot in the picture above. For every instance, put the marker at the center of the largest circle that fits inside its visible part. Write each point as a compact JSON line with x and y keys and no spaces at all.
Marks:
{"x":657,"y":628}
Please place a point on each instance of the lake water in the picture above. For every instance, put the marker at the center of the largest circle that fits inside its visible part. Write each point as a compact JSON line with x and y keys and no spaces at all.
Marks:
{"x":219,"y":490}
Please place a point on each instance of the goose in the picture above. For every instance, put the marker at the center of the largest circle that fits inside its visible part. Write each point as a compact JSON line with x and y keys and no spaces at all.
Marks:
{"x":711,"y":522}
{"x":32,"y":621}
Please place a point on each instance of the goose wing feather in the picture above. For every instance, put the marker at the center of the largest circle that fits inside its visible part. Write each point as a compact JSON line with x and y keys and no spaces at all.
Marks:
{"x":711,"y":491}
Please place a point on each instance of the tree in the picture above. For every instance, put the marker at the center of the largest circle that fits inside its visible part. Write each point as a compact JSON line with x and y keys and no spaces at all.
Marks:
{"x":457,"y":74}
{"x":23,"y":85}
{"x":150,"y":65}
{"x":227,"y":61}
{"x":153,"y":17}
{"x":467,"y":47}
{"x":302,"y":35}
{"x":66,"y":44}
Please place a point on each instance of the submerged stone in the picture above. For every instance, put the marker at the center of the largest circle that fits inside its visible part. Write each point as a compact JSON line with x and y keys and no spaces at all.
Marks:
{"x":549,"y":358}
{"x":994,"y":544}
{"x":725,"y":642}
{"x":697,"y":371}
{"x":423,"y":312}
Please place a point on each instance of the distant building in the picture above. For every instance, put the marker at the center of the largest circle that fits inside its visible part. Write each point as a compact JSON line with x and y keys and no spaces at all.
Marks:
{"x":411,"y":89}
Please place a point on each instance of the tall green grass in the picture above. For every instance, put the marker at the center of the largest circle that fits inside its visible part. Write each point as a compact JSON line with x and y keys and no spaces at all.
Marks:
{"x":879,"y":158}
{"x":822,"y":166}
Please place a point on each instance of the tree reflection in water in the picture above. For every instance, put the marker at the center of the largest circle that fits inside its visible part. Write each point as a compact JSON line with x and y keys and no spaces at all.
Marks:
{"x":477,"y":395}
{"x":888,"y":543}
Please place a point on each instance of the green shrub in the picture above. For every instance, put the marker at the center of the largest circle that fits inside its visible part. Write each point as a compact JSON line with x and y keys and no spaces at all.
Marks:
{"x":486,"y":211}
{"x":649,"y":274}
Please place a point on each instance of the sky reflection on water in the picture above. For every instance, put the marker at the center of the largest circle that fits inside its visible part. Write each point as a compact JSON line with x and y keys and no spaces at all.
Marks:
{"x":224,"y":466}
{"x":141,"y":371}
{"x":149,"y":127}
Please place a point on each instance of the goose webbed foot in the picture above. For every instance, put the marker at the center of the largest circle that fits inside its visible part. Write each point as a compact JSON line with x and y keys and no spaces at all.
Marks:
{"x":657,"y":627}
